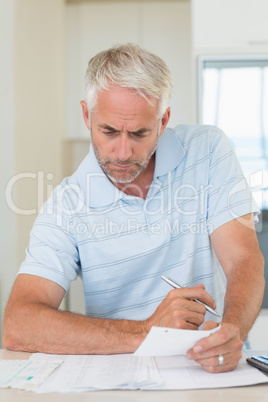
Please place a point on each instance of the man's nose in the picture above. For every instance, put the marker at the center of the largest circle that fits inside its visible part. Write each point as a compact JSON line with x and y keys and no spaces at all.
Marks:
{"x":123,"y":147}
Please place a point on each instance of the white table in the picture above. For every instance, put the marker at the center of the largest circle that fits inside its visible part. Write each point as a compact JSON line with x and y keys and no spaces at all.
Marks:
{"x":246,"y":394}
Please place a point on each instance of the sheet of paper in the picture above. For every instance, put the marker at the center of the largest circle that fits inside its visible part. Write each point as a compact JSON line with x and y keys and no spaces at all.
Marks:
{"x":179,"y":373}
{"x":162,"y":341}
{"x":84,"y":373}
{"x":95,"y":372}
{"x":25,"y":374}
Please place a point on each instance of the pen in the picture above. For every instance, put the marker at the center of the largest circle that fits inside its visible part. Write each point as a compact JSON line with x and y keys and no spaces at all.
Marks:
{"x":176,"y":285}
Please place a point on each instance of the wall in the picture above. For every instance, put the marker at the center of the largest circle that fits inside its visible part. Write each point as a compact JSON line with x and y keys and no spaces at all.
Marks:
{"x":258,"y":334}
{"x":7,"y":158}
{"x":237,"y":26}
{"x":164,"y":27}
{"x":32,"y":123}
{"x":39,"y":106}
{"x":263,"y":241}
{"x":227,"y":27}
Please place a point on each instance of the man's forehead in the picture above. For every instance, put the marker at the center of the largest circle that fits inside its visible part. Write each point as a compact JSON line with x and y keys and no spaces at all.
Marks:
{"x":120,"y":107}
{"x":125,"y":97}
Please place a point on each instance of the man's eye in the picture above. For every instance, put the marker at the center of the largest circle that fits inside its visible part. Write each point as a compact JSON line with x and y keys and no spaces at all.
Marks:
{"x":114,"y":132}
{"x":138,"y":135}
{"x":109,"y":132}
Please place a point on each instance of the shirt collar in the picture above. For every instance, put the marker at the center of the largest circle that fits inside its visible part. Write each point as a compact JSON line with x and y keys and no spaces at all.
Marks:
{"x":99,"y":190}
{"x":169,"y":153}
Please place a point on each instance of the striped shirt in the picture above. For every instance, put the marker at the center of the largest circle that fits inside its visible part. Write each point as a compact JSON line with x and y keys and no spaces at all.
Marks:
{"x":121,"y":244}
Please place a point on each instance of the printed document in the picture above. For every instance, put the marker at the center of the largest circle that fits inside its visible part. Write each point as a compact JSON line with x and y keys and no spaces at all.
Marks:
{"x":177,"y":372}
{"x":25,"y":374}
{"x":96,"y":372}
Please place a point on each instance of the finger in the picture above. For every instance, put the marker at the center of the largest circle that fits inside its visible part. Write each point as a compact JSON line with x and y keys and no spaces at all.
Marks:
{"x":187,"y":309}
{"x":183,"y":310}
{"x":175,"y":307}
{"x":210,"y":325}
{"x":232,"y":347}
{"x":196,"y":292}
{"x":179,"y":324}
{"x":230,"y":361}
{"x":221,"y":369}
{"x":221,"y":337}
{"x":177,"y":301}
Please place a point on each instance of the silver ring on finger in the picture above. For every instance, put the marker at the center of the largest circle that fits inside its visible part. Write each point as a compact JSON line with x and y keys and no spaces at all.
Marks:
{"x":220,"y":360}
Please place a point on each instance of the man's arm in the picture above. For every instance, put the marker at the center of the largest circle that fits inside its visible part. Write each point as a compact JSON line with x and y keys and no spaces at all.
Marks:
{"x":33,"y":323}
{"x":237,"y":249}
{"x":236,"y":246}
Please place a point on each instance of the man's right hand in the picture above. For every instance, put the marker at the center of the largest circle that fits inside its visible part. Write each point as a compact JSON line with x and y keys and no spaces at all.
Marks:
{"x":179,"y":310}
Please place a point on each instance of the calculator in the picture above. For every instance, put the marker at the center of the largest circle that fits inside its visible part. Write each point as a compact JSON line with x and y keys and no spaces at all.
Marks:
{"x":261,"y":362}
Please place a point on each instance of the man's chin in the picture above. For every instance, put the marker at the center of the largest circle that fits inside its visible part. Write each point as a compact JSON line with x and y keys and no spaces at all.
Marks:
{"x":122,"y":177}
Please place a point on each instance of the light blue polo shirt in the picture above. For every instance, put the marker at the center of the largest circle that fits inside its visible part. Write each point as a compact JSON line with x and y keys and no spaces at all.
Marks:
{"x":121,"y":244}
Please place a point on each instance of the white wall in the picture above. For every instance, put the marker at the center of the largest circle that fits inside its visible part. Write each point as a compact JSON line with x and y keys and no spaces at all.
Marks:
{"x":227,"y":27}
{"x":164,"y":27}
{"x":7,"y":158}
{"x":32,"y":123}
{"x":39,"y":82}
{"x":230,"y":25}
{"x":258,"y":334}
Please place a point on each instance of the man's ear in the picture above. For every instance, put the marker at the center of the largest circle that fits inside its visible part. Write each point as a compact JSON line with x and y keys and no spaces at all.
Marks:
{"x":164,"y":120}
{"x":85,"y":113}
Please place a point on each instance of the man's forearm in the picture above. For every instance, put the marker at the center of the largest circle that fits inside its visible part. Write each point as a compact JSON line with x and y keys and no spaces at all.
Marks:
{"x":39,"y":328}
{"x":33,"y":323}
{"x":244,"y":294}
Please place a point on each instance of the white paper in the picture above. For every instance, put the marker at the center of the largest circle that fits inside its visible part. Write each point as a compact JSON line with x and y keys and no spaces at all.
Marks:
{"x":88,"y":373}
{"x":162,"y":341}
{"x":179,"y":373}
{"x":95,"y":372}
{"x":25,"y":374}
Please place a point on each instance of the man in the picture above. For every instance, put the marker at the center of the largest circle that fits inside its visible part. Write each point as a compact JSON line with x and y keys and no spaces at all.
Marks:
{"x":146,"y":201}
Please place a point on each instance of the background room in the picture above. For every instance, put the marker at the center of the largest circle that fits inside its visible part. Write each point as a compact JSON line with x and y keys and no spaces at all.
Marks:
{"x":45,"y":47}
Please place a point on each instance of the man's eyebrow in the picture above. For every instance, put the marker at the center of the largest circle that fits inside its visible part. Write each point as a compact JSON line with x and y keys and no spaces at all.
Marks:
{"x":107,"y":127}
{"x":140,"y":131}
{"x":110,"y":128}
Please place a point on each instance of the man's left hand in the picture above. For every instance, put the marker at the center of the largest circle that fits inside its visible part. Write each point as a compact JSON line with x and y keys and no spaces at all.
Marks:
{"x":225,"y":343}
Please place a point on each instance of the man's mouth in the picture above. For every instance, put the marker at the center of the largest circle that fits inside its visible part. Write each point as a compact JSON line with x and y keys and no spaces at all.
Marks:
{"x":122,"y":167}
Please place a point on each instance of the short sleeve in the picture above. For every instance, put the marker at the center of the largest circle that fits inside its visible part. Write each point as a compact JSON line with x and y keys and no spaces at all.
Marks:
{"x":229,"y":195}
{"x":52,"y":253}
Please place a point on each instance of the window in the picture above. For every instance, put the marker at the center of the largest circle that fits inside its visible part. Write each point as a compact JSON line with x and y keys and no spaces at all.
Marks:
{"x":234,"y":97}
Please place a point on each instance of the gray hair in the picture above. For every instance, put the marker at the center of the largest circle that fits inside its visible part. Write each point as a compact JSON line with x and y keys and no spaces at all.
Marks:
{"x":132,"y":67}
